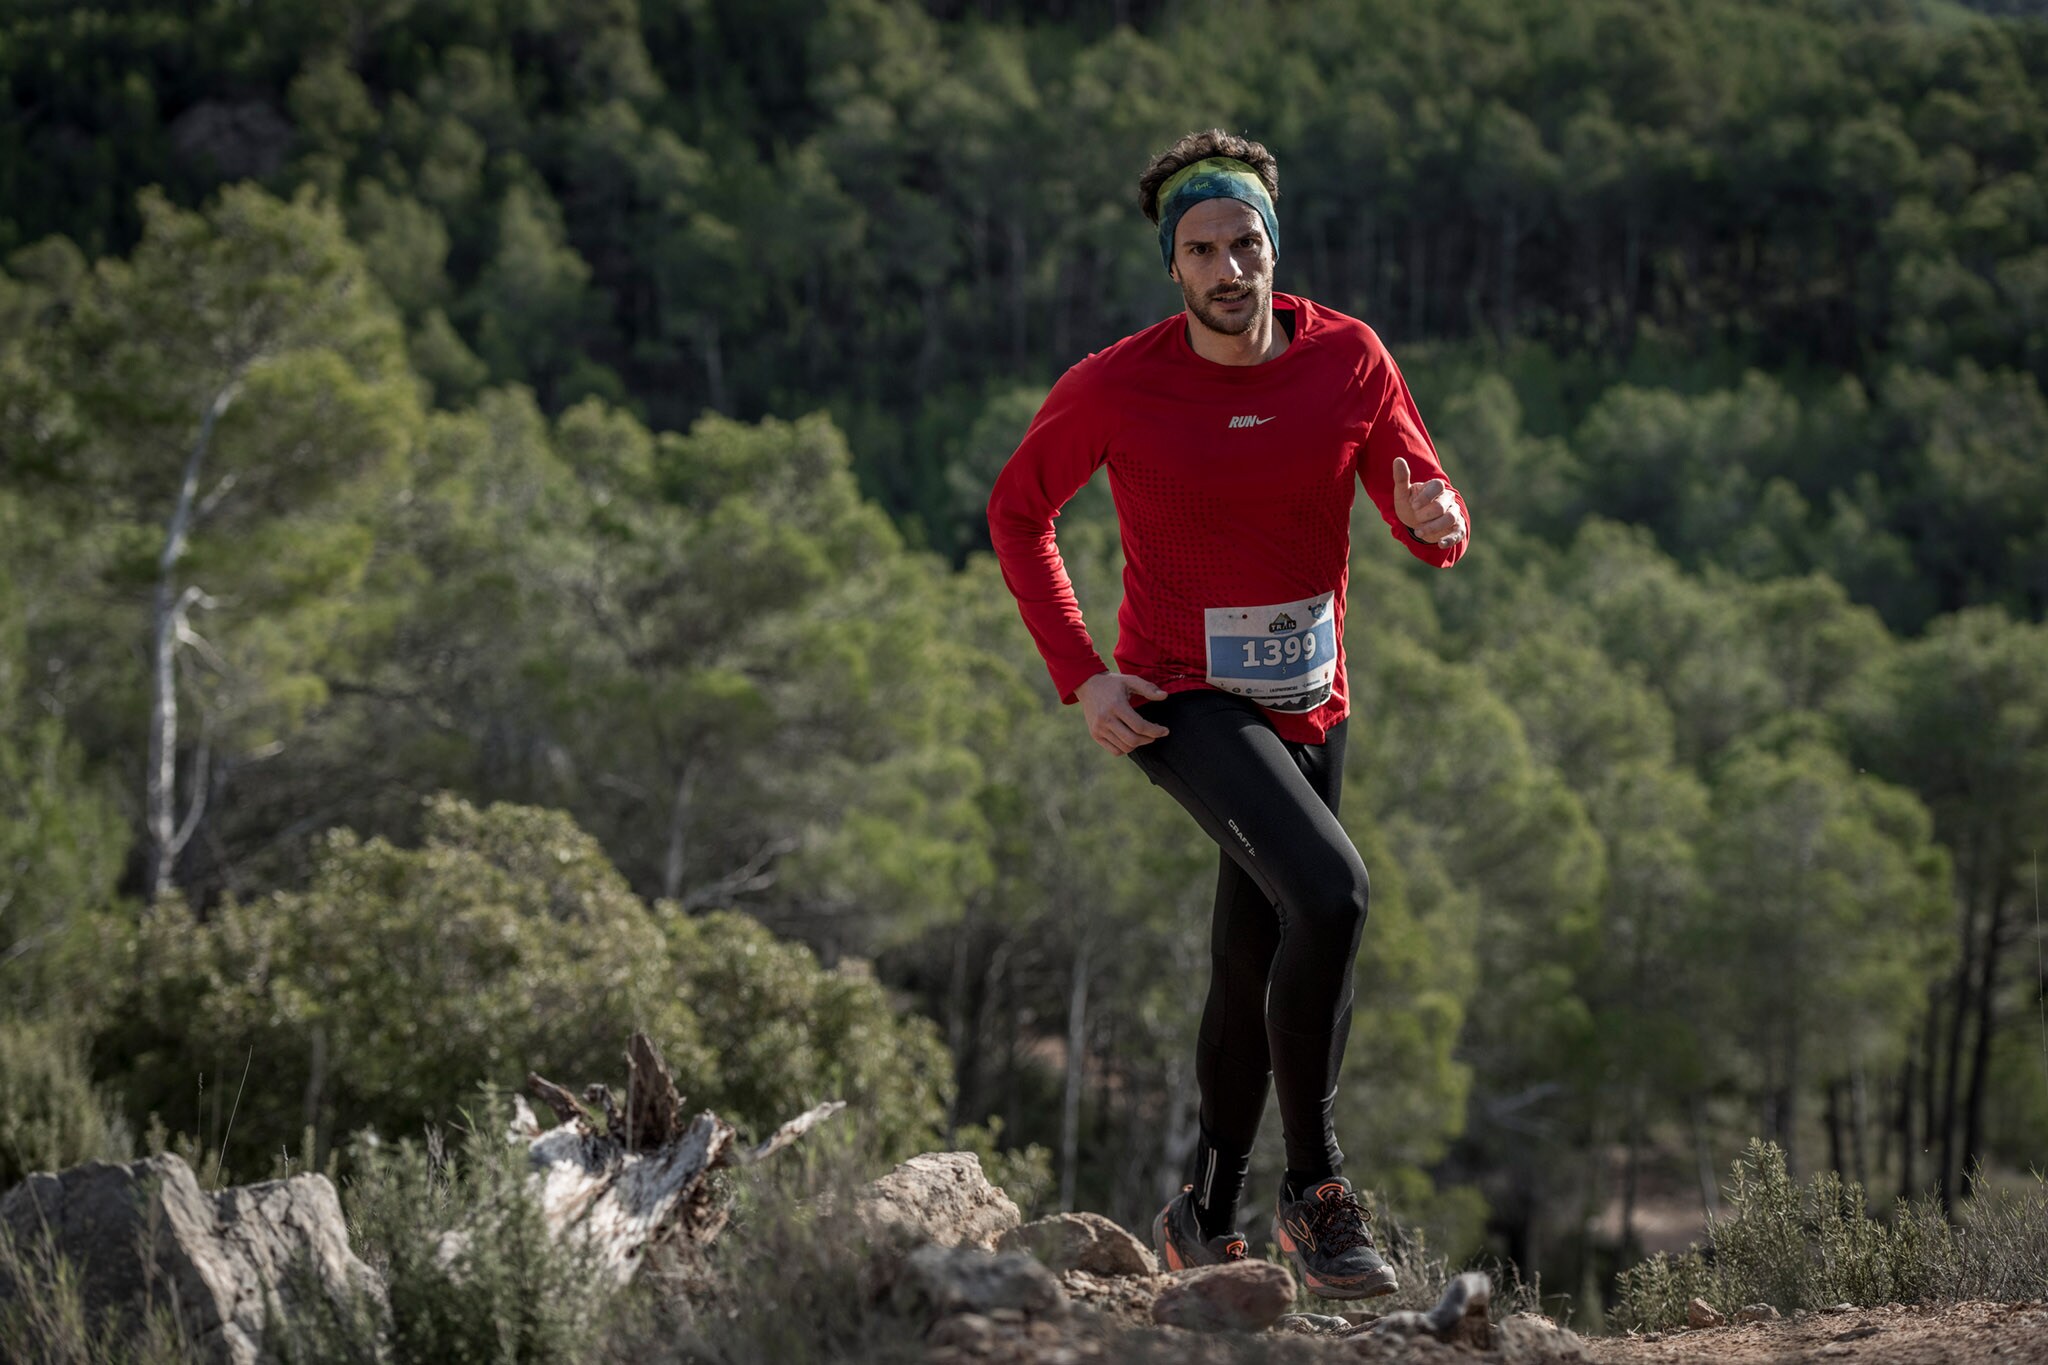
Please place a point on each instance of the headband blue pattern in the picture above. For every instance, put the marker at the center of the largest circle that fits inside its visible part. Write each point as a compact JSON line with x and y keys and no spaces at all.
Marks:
{"x":1217,"y":177}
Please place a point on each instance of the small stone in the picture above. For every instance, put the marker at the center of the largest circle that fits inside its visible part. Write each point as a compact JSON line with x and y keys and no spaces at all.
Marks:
{"x":1310,"y":1324}
{"x":1858,"y":1333}
{"x":969,"y":1332}
{"x":1081,"y":1241}
{"x":1244,"y":1296}
{"x":1756,"y":1312}
{"x":939,"y":1197}
{"x":1007,"y":1317}
{"x":1700,"y":1313}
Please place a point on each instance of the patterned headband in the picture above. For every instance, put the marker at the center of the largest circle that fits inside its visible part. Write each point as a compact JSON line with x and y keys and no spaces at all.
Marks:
{"x":1218,"y":177}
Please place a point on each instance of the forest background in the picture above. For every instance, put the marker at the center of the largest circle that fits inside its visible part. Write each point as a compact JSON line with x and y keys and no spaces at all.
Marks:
{"x":491,"y":556}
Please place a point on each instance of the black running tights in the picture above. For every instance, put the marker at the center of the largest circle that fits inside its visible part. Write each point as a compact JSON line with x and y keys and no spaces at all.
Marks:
{"x":1291,"y":898}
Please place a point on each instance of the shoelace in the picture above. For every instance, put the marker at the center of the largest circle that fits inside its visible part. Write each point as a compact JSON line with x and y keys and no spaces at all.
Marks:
{"x":1339,"y":1221}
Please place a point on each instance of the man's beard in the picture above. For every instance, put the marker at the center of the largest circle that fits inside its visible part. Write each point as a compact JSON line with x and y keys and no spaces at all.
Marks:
{"x":1259,"y":290}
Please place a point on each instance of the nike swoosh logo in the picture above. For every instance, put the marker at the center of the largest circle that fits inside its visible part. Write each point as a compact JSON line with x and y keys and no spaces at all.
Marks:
{"x":1262,"y":421}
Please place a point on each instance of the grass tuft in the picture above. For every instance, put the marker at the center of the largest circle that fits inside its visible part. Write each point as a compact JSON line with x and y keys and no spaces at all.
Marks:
{"x":44,"y":1319}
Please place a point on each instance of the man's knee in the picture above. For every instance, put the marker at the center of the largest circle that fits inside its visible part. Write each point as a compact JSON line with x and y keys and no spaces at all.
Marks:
{"x":1338,"y":902}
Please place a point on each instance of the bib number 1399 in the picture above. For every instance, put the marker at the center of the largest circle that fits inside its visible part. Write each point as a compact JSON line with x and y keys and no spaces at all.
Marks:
{"x":1282,"y":656}
{"x":1275,"y":653}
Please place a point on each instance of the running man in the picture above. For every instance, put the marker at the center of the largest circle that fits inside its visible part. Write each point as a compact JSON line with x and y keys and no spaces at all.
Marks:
{"x":1236,"y":433}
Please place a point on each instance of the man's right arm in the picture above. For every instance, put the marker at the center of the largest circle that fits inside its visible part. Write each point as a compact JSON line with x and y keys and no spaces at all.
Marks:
{"x":1065,"y":444}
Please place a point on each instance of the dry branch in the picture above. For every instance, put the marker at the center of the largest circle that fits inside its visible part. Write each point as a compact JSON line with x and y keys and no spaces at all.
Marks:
{"x":642,"y":1181}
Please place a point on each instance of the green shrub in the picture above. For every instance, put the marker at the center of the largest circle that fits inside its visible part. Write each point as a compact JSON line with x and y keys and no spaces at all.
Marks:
{"x":1816,"y":1246}
{"x":472,"y":1274}
{"x":382,"y":994}
{"x":50,"y":1115}
{"x":62,"y":844}
{"x":785,"y":1034}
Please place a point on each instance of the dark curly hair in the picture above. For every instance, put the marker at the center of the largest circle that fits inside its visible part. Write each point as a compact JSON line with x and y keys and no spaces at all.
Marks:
{"x":1199,"y":147}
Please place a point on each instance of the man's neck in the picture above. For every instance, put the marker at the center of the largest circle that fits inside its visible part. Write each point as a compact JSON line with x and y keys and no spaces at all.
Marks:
{"x":1256,"y":345}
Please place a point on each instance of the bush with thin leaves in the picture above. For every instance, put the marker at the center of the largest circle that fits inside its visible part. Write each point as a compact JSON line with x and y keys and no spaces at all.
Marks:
{"x":51,"y":1117}
{"x":470,"y":1270}
{"x":1815,"y":1246}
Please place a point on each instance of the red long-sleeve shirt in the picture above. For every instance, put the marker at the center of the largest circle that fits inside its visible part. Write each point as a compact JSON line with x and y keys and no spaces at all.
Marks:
{"x":1233,"y":486}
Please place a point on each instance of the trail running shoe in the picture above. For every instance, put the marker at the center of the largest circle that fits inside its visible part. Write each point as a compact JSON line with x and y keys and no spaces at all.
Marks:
{"x":1177,"y":1237}
{"x":1327,"y":1234}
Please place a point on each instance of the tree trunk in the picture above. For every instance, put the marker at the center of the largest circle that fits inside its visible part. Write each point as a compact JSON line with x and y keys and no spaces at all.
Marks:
{"x":1703,"y":1162}
{"x":1631,"y":273}
{"x":315,"y":1092}
{"x":1859,"y":1119}
{"x":676,"y":863}
{"x":1630,"y":1171}
{"x":1901,"y":1125}
{"x":1987,"y":1018}
{"x":956,"y":1024}
{"x":1510,"y":238}
{"x":1019,"y":332}
{"x":713,"y":348}
{"x":1930,"y":1053}
{"x":167,"y":835}
{"x":1070,"y":1108}
{"x":1959,"y":1019}
{"x":1418,"y":278}
{"x":1183,"y":1121}
{"x":1837,"y":1146}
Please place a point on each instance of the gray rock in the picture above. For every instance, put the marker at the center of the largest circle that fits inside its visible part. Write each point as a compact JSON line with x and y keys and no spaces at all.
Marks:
{"x":1756,"y":1312}
{"x":1247,"y":1296}
{"x":938,"y":1282}
{"x":1081,"y":1241}
{"x":1700,"y":1313}
{"x":939,"y":1197}
{"x":145,"y":1234}
{"x":1460,"y":1316}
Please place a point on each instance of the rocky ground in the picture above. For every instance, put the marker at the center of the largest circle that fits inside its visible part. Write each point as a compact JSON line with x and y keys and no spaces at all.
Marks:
{"x":1957,"y":1334}
{"x":948,"y":1272}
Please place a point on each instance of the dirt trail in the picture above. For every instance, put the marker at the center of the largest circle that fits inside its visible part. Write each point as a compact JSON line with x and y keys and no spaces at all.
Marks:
{"x":1961,"y":1334}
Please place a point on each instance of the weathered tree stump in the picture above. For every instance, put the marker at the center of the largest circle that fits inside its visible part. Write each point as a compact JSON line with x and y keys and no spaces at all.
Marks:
{"x":623,"y":1182}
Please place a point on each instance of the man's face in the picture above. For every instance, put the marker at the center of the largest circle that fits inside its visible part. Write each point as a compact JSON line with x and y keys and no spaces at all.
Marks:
{"x":1224,"y":265}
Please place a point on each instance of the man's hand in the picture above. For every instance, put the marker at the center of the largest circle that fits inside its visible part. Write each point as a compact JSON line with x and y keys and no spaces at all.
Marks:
{"x":1106,"y":703}
{"x":1430,"y":510}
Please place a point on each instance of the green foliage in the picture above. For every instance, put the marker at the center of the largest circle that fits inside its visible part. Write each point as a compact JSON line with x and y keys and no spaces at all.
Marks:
{"x":400,"y":978}
{"x":51,"y":1115}
{"x":786,"y":1034}
{"x":1815,"y":1245}
{"x":455,"y":1230}
{"x":61,"y":846}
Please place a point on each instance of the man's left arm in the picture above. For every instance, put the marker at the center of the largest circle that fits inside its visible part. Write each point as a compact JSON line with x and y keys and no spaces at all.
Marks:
{"x":1398,"y":465}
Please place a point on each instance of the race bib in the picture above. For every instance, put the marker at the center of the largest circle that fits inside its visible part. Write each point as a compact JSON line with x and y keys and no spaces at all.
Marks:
{"x":1283,"y":657}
